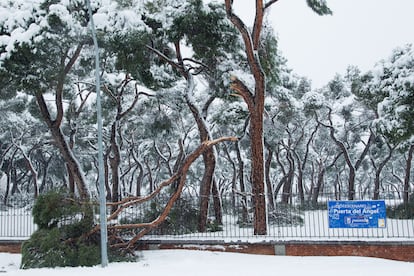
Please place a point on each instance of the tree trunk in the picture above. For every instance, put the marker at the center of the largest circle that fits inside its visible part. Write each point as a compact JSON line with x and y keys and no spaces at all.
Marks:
{"x":217,"y":204}
{"x":408,"y":175}
{"x":114,"y":161}
{"x":378,"y":171}
{"x":46,"y":164}
{"x":106,"y":178}
{"x":61,"y":143}
{"x":71,"y":162}
{"x":209,"y":157}
{"x":258,"y":184}
{"x":14,"y":181}
{"x":283,"y":172}
{"x":270,"y":196}
{"x":300,"y":181}
{"x":140,"y":177}
{"x":351,"y":183}
{"x":34,"y":174}
{"x":318,"y":186}
{"x":205,"y":188}
{"x":243,"y":201}
{"x":255,"y":105}
{"x":6,"y":192}
{"x":233,"y":179}
{"x":287,"y":187}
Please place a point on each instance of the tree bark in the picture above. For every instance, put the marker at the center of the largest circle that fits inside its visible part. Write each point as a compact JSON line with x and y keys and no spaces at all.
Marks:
{"x":269,"y":185}
{"x":408,"y":175}
{"x":255,"y":105}
{"x":114,"y":161}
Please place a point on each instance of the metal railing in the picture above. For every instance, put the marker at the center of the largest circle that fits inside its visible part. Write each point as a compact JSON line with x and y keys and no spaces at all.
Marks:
{"x":16,"y":221}
{"x":293,"y":220}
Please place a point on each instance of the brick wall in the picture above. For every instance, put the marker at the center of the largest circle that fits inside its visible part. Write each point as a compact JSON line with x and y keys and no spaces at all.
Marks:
{"x":401,"y":251}
{"x":10,"y":246}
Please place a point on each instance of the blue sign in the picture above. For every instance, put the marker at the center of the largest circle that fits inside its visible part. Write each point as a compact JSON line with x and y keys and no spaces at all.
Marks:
{"x":357,"y":214}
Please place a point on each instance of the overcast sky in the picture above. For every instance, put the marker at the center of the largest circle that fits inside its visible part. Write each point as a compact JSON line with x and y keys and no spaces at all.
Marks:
{"x":360,"y":32}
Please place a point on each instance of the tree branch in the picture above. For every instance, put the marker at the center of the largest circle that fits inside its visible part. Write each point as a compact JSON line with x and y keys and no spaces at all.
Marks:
{"x":247,"y":38}
{"x":165,"y":58}
{"x":258,"y":23}
{"x":268,"y":4}
{"x":179,"y":175}
{"x":243,"y":91}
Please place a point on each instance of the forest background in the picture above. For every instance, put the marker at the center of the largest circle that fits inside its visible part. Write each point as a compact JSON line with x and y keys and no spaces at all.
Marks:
{"x":174,"y":75}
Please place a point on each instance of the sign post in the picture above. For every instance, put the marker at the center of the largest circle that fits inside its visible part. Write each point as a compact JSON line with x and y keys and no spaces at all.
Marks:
{"x":357,"y":214}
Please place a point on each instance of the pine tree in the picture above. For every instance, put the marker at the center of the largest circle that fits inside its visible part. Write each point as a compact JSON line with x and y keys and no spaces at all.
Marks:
{"x":255,"y":99}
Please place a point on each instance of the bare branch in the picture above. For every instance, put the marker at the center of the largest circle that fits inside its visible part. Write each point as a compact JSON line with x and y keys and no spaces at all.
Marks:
{"x":268,"y":4}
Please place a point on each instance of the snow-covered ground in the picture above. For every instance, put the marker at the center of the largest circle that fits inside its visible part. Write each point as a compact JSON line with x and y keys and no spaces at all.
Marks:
{"x":203,"y":263}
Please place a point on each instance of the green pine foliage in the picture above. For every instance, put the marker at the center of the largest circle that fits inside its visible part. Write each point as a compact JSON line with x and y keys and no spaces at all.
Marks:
{"x":319,"y":6}
{"x":403,"y":210}
{"x":61,"y":239}
{"x":182,"y":219}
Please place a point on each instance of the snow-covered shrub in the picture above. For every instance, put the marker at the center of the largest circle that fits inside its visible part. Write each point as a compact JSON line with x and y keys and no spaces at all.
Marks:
{"x":286,"y":214}
{"x":403,"y":210}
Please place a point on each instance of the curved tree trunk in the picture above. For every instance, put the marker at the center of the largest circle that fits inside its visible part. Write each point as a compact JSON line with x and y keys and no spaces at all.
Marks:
{"x":64,"y":148}
{"x":209,"y":160}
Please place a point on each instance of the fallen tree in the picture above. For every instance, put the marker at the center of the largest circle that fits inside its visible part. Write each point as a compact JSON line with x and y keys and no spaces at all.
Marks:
{"x":115,"y":239}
